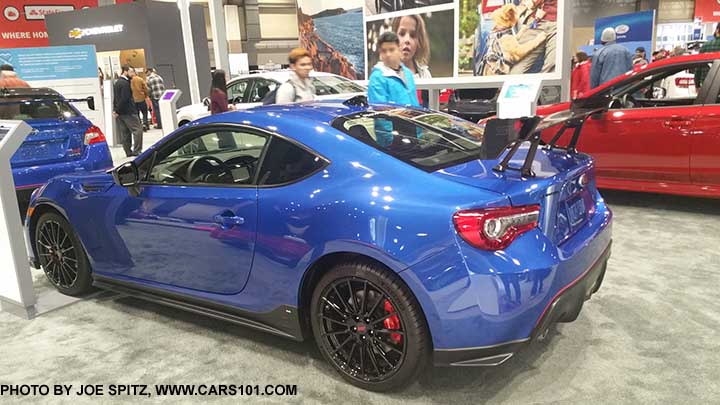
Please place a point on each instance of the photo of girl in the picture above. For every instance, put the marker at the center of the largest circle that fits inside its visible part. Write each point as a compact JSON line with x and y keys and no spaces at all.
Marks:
{"x":426,"y":42}
{"x":414,"y":44}
{"x":501,"y":37}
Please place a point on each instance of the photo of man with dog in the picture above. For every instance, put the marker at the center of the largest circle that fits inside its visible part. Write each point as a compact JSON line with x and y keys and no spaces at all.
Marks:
{"x":508,"y":37}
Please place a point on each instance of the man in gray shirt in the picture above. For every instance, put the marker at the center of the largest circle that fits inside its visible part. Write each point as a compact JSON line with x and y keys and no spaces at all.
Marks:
{"x":299,"y":87}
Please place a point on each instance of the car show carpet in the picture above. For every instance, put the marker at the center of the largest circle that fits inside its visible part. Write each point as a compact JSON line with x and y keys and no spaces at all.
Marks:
{"x":648,"y":336}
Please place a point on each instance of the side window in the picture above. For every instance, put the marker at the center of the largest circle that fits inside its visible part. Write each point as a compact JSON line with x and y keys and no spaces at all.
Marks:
{"x":261,"y":89}
{"x":220,"y":157}
{"x":674,"y":86}
{"x":236,"y":91}
{"x":285,"y":163}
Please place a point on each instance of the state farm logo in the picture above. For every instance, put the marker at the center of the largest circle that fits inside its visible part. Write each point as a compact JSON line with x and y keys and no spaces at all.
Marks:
{"x":11,"y":13}
{"x":39,"y":12}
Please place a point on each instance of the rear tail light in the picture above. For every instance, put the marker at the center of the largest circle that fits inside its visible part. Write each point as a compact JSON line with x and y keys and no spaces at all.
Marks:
{"x":495,"y":228}
{"x":684,"y":82}
{"x":94,"y":135}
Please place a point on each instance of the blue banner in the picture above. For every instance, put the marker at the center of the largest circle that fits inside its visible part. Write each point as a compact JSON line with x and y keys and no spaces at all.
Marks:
{"x":633,"y":30}
{"x":52,"y":63}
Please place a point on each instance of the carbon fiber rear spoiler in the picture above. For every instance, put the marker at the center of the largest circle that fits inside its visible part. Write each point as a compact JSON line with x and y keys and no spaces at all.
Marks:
{"x":90,"y":100}
{"x":532,"y":128}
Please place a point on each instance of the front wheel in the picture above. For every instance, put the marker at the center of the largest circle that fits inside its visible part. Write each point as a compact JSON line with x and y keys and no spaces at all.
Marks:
{"x":62,"y":256}
{"x":370,"y":327}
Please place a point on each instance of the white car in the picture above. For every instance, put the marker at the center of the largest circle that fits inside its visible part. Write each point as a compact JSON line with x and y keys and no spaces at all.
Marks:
{"x":248,"y":91}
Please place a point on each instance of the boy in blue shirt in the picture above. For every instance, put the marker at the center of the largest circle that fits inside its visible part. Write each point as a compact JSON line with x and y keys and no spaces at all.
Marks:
{"x":390,"y":82}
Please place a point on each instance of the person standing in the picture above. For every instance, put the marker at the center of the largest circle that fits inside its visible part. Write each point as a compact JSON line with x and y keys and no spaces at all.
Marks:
{"x":640,"y":58}
{"x":218,"y":93}
{"x":710,"y":46}
{"x":156,"y":84}
{"x":580,"y":78}
{"x":390,"y":82}
{"x":140,"y":96}
{"x":10,"y":79}
{"x":299,"y":87}
{"x":126,"y":114}
{"x":610,"y":61}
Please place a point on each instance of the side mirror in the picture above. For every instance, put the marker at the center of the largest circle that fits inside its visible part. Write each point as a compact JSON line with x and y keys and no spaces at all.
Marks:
{"x":126,"y":175}
{"x":591,"y":103}
{"x":91,"y":103}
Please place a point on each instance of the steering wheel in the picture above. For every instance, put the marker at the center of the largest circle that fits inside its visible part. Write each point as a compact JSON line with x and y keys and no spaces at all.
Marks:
{"x":217,"y":168}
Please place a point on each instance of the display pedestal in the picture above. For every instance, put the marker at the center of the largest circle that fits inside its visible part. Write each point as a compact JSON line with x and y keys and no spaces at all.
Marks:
{"x":518,"y":98}
{"x":168,"y":110}
{"x":16,"y":286}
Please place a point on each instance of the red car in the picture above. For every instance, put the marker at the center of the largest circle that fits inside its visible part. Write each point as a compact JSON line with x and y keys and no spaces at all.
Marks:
{"x":652,"y":138}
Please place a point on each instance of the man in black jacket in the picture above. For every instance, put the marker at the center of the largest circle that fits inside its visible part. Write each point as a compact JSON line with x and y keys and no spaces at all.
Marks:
{"x":126,"y":114}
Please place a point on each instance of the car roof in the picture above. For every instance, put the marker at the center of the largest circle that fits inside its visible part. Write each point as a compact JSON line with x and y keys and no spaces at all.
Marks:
{"x":29,"y":92}
{"x":672,"y":61}
{"x":308,"y":123}
{"x":279,"y":75}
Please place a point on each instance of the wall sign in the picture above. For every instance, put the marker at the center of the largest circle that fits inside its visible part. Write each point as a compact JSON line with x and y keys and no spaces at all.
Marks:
{"x":22,"y":22}
{"x":77,"y":33}
{"x":707,"y":10}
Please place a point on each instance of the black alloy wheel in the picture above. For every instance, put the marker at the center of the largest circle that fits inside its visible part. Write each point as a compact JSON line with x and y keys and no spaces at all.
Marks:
{"x":61,"y":255}
{"x":369,"y":327}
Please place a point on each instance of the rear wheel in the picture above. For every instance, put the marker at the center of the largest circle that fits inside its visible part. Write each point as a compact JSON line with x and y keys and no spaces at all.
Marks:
{"x":370,"y":327}
{"x":62,"y":256}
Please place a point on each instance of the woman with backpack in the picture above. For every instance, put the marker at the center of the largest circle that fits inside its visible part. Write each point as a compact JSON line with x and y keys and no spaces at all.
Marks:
{"x":299,"y":87}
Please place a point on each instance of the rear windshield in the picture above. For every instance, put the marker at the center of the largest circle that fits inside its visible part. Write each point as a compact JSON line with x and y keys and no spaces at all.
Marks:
{"x":28,"y":108}
{"x":428,"y":140}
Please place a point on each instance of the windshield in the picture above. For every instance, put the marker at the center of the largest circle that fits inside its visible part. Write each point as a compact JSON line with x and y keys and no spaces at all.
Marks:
{"x":327,"y":85}
{"x":28,"y":108}
{"x":428,"y":140}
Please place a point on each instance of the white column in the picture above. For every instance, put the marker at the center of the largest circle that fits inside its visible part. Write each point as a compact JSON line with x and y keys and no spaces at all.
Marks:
{"x":219,"y":33}
{"x":184,"y":6}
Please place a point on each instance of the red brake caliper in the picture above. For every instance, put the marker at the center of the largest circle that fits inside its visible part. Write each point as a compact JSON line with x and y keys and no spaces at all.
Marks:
{"x":392,"y":323}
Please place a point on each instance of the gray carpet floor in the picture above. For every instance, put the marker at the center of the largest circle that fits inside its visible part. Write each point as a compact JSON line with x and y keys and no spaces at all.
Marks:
{"x":651,"y":335}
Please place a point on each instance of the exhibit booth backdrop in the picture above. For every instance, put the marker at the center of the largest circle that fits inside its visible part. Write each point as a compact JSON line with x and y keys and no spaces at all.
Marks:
{"x":633,"y":30}
{"x":445,"y":42}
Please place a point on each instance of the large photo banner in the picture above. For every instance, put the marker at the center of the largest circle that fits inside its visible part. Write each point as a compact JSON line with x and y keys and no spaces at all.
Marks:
{"x":508,"y":37}
{"x":332,"y":30}
{"x":442,"y":41}
{"x":426,"y":41}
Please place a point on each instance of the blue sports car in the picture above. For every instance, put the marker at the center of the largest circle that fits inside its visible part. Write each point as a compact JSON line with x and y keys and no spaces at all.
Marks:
{"x":62,"y":140}
{"x":427,"y":247}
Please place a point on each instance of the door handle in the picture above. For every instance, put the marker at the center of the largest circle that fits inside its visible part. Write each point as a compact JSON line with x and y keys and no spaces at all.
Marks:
{"x":227,"y":221}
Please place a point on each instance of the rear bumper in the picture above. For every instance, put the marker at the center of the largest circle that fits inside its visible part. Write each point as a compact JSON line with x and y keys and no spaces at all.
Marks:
{"x":97,"y":157}
{"x":564,"y":307}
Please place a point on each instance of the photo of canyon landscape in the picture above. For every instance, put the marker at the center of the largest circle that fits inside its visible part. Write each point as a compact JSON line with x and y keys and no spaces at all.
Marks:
{"x":329,"y":30}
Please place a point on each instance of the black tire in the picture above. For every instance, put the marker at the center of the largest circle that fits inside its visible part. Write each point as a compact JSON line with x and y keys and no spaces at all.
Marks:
{"x":396,"y":355}
{"x":62,"y":256}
